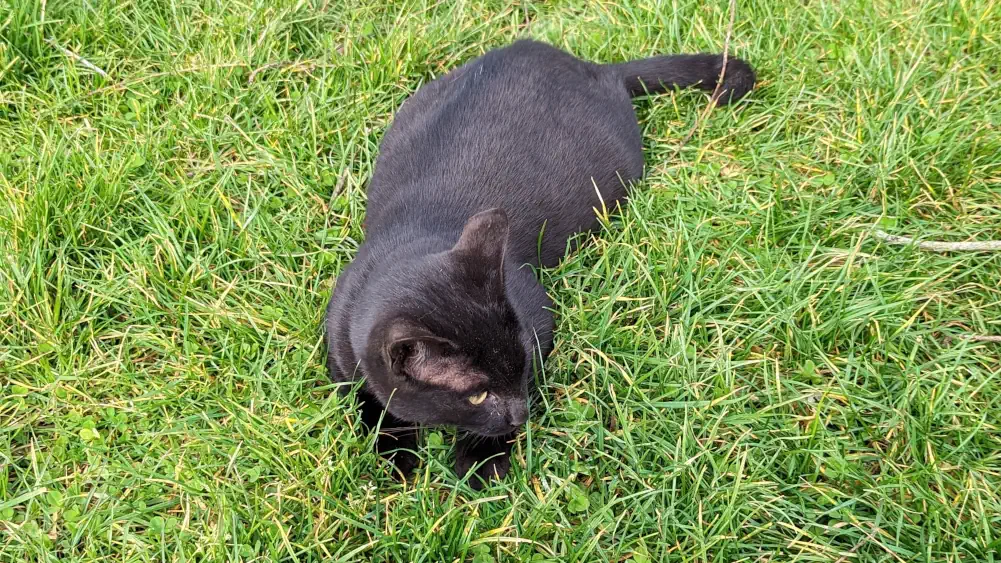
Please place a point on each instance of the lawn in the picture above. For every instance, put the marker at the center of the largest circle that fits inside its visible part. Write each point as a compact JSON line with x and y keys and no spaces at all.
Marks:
{"x":743,"y":370}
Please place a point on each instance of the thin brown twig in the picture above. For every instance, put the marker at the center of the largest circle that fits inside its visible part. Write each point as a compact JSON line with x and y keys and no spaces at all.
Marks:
{"x":87,"y":64}
{"x":981,"y":338}
{"x":855,"y":548}
{"x":306,"y":66}
{"x":124,"y":84}
{"x":940,"y":246}
{"x":269,"y":66}
{"x":714,"y":98}
{"x":726,"y":56}
{"x":340,"y":182}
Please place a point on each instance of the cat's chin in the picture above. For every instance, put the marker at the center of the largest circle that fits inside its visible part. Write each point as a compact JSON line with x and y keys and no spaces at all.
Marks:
{"x":490,"y":433}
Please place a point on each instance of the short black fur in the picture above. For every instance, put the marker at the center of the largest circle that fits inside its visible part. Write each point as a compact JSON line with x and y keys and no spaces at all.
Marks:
{"x":491,"y":167}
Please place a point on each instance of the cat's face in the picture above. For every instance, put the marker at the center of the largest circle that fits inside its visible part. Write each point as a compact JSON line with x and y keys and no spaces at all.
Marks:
{"x":447,"y":348}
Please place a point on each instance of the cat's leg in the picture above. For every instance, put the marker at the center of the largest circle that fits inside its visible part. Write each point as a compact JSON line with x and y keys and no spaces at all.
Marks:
{"x":495,"y":452}
{"x":397,"y":438}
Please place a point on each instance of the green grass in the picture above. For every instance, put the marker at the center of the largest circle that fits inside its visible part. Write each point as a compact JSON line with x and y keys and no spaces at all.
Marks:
{"x":742,"y":371}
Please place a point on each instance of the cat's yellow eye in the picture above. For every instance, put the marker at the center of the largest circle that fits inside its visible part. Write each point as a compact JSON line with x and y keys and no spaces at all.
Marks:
{"x":478,"y":399}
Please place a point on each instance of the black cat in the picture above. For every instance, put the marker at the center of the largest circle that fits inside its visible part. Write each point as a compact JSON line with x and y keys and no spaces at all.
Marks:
{"x":491,"y":167}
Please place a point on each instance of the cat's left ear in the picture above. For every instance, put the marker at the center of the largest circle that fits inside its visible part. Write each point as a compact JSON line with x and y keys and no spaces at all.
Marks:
{"x":413,"y":353}
{"x":483,"y":244}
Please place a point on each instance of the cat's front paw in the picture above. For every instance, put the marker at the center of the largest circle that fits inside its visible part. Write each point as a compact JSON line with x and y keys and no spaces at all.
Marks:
{"x":494,"y":468}
{"x":395,"y":446}
{"x":494,"y":453}
{"x":405,"y":462}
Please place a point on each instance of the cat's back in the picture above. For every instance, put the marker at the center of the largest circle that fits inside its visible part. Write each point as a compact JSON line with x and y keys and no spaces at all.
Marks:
{"x":526,"y":73}
{"x":527,"y":122}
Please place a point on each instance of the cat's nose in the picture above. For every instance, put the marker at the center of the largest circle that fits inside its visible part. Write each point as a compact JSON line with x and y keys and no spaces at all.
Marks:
{"x":517,"y":412}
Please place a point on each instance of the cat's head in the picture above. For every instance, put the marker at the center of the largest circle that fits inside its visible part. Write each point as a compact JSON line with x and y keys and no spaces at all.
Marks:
{"x":446,"y":347}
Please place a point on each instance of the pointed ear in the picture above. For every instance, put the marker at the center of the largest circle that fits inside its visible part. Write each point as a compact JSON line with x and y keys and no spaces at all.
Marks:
{"x":483,"y":243}
{"x":413,"y":353}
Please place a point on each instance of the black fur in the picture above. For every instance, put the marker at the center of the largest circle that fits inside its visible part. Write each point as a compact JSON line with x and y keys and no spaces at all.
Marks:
{"x":491,"y":167}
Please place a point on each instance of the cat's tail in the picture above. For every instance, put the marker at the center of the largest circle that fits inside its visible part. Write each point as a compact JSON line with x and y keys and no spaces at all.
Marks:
{"x":658,"y":74}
